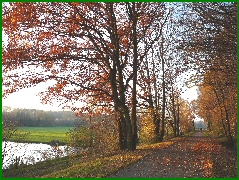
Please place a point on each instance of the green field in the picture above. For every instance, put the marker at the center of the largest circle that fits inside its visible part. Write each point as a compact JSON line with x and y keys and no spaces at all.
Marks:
{"x":41,"y":134}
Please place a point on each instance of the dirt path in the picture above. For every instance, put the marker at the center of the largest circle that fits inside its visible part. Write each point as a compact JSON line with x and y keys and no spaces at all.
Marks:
{"x":190,"y":157}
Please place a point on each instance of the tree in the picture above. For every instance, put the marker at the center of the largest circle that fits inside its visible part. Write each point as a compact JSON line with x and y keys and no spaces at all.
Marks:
{"x":91,"y":50}
{"x":214,"y":98}
{"x":209,"y":33}
{"x":175,"y":110}
{"x":186,"y":116}
{"x":210,"y":42}
{"x":158,"y":73}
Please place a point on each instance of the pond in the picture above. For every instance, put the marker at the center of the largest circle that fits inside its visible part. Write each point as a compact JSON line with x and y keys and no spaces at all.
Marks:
{"x":30,"y":153}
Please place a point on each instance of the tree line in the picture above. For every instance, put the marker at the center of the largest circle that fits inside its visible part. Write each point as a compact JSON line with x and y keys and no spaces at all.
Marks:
{"x":40,"y":118}
{"x":214,"y":37}
{"x":121,"y":59}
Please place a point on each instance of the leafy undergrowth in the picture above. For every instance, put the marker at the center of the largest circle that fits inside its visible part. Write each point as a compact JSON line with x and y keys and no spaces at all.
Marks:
{"x":161,"y":145}
{"x":189,"y":134}
{"x":219,"y":161}
{"x":86,"y":165}
{"x":103,"y":166}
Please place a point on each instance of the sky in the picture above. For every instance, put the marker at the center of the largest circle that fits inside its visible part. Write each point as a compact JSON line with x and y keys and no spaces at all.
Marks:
{"x":27,"y":98}
{"x":190,"y":93}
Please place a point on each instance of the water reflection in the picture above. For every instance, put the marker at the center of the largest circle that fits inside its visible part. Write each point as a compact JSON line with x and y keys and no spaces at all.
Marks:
{"x":30,"y":153}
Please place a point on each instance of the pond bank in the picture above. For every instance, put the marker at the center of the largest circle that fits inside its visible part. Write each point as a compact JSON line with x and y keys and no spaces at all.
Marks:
{"x":15,"y":153}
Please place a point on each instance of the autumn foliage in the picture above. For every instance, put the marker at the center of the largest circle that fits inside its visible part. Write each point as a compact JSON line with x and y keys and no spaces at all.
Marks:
{"x":120,"y":59}
{"x":217,"y":81}
{"x":91,"y":50}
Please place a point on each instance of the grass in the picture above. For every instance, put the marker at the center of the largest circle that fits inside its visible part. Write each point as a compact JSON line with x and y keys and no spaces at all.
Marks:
{"x":206,"y":133}
{"x":100,"y":166}
{"x":189,"y":134}
{"x":41,"y":134}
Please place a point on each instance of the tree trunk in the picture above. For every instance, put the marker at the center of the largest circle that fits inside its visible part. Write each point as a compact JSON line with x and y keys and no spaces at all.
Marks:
{"x":118,"y":85}
{"x":133,"y":17}
{"x":178,"y":118}
{"x":221,"y":112}
{"x":128,"y":128}
{"x":230,"y":139}
{"x":164,"y":101}
{"x":156,"y":117}
{"x":174,"y":114}
{"x":117,"y":111}
{"x":120,"y":132}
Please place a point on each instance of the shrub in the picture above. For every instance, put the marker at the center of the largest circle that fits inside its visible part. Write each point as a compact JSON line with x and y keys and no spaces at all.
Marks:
{"x":80,"y":137}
